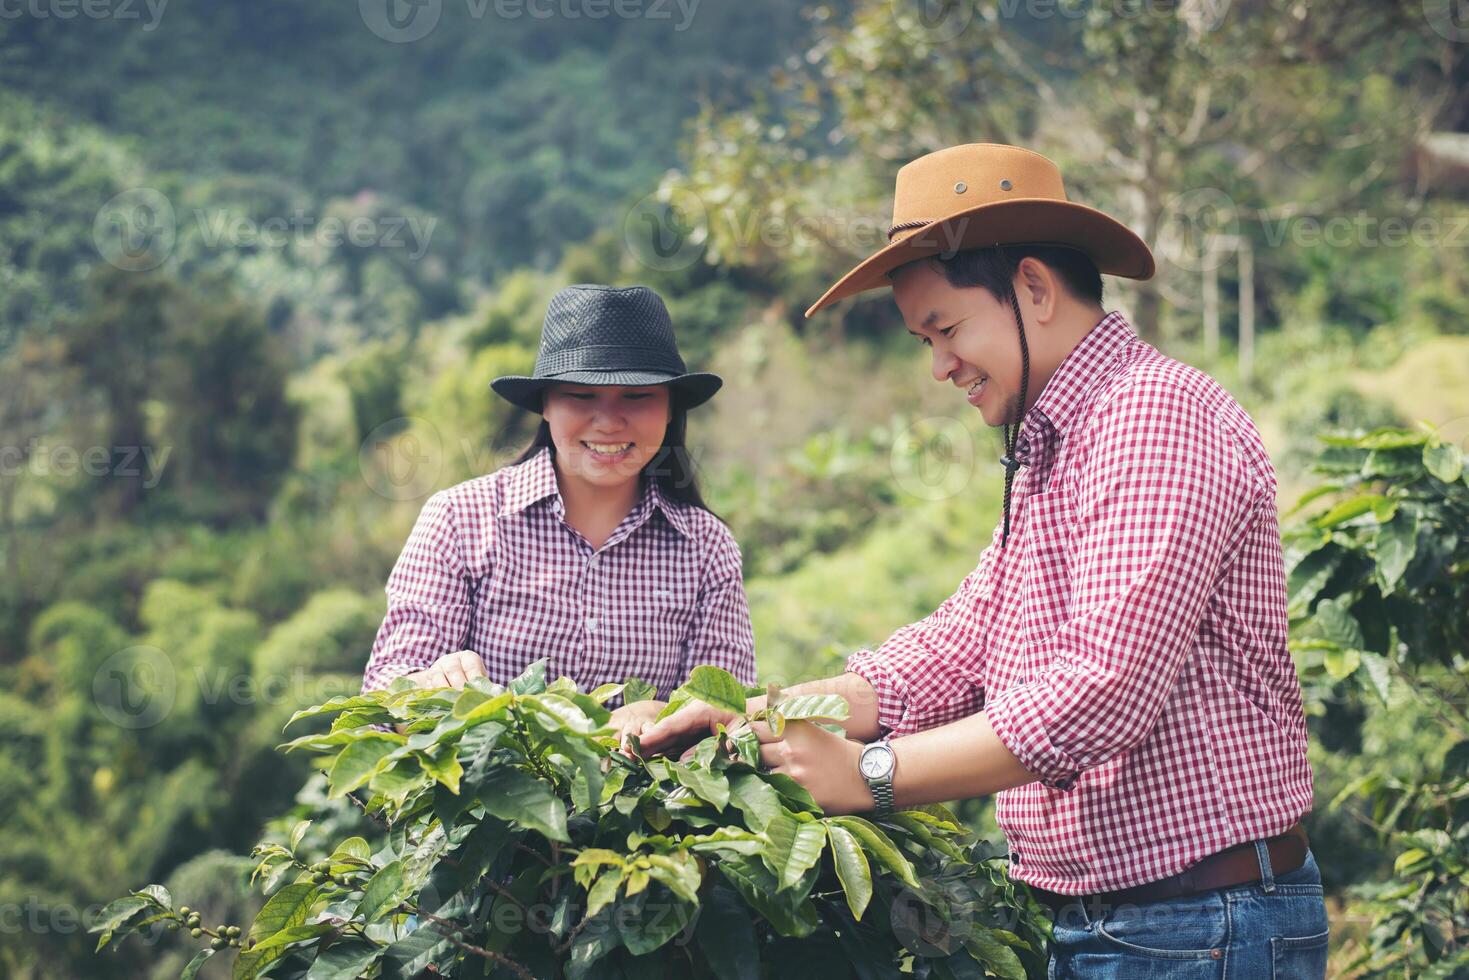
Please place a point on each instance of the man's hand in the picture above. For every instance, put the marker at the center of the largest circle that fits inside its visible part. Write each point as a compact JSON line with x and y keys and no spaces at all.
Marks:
{"x":824,"y":762}
{"x":690,"y":724}
{"x":451,"y":670}
{"x":633,"y":719}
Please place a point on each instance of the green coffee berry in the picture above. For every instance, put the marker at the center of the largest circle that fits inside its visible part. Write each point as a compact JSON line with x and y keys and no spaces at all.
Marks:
{"x":184,"y":911}
{"x":196,"y":932}
{"x":217,"y":943}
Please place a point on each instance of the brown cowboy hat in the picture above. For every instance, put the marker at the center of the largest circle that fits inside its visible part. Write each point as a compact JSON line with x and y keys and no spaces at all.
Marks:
{"x":983,"y":194}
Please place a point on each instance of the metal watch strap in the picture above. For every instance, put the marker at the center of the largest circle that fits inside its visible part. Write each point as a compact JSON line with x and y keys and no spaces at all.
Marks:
{"x":882,"y":795}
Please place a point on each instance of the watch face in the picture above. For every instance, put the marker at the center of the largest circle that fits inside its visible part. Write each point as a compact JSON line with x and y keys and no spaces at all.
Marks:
{"x":877,"y":761}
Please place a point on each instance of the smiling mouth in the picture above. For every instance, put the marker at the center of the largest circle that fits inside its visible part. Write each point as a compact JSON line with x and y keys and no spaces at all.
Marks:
{"x":976,"y":389}
{"x":607,"y":448}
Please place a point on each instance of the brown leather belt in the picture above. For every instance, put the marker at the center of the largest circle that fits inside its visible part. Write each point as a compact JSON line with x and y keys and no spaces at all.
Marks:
{"x":1237,"y":865}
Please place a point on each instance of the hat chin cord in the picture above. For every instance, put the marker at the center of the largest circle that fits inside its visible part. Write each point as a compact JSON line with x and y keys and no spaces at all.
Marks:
{"x":1011,"y":430}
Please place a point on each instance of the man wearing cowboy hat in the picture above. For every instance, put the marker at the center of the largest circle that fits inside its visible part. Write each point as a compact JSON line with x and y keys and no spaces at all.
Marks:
{"x":1116,"y":667}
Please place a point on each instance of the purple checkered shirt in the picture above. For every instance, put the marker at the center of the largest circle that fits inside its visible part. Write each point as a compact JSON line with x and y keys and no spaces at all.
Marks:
{"x":492,"y":566}
{"x":1129,"y":644}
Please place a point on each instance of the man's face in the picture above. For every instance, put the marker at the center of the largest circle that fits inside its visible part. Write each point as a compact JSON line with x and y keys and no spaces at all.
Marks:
{"x":973,"y":337}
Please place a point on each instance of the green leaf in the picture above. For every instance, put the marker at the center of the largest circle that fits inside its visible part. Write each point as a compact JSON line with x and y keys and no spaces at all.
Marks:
{"x":758,"y":887}
{"x":336,"y":704}
{"x":1397,"y":541}
{"x":712,"y":787}
{"x":1444,"y":461}
{"x":795,"y":847}
{"x":1354,"y":507}
{"x":1342,"y":662}
{"x":382,"y":893}
{"x":604,"y":890}
{"x":511,"y":794}
{"x":346,"y":960}
{"x":1333,"y":621}
{"x":716,"y":686}
{"x":285,"y":909}
{"x":445,"y":768}
{"x":251,"y":962}
{"x":357,"y":763}
{"x":998,"y":958}
{"x":532,"y":680}
{"x":652,"y":921}
{"x":1408,"y":859}
{"x":636,"y":689}
{"x":852,"y":869}
{"x":192,"y":969}
{"x":115,"y":914}
{"x":725,"y":934}
{"x":353,"y":848}
{"x":879,"y":846}
{"x":1377,"y":675}
{"x":1309,"y":575}
{"x":805,"y":706}
{"x":755,"y":798}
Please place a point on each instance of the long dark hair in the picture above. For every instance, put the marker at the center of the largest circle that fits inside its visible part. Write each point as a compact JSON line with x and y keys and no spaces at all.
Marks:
{"x":671,"y":468}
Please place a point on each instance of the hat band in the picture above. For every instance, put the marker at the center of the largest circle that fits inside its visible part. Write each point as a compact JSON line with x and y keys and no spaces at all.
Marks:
{"x":609,"y":357}
{"x":904,"y":226}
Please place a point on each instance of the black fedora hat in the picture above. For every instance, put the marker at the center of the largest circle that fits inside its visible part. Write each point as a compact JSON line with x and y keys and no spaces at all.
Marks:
{"x":608,"y":335}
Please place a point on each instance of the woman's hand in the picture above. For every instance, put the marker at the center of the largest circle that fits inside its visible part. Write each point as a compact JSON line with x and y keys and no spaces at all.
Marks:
{"x":826,"y":763}
{"x":451,"y":670}
{"x":691,"y":724}
{"x":634,"y":719}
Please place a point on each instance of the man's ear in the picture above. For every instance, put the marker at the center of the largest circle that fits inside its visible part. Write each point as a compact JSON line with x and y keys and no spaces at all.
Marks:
{"x":1038,"y":283}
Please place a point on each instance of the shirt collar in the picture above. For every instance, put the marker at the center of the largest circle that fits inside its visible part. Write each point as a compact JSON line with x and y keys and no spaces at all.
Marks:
{"x":1065,"y":392}
{"x":535,"y":480}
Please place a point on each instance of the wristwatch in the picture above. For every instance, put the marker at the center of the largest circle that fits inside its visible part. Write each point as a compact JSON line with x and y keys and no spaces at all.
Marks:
{"x":878,"y":763}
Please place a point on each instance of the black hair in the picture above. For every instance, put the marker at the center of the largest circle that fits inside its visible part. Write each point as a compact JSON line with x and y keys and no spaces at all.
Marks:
{"x":994,"y":268}
{"x":671,"y":467}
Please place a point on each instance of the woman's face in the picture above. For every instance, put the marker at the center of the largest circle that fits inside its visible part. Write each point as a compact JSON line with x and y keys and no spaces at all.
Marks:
{"x":605,"y":435}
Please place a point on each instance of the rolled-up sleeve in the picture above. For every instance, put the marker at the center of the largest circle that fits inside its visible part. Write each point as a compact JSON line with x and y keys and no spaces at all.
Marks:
{"x":721,"y":634}
{"x":928,"y":673}
{"x":430,"y":599}
{"x":1162,"y":503}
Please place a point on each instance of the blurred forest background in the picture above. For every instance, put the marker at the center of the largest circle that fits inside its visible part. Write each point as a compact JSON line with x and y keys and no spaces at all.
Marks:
{"x":259,"y":262}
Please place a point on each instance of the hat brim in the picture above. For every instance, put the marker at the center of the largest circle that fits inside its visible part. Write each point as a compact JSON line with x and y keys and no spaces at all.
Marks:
{"x":1115,"y":249}
{"x":693,"y":389}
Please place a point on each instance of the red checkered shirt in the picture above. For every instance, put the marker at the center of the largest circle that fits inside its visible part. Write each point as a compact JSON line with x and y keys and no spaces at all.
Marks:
{"x":492,"y":566}
{"x":1128,"y":645}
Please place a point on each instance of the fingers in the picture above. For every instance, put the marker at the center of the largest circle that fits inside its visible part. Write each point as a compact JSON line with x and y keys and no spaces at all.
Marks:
{"x":473,"y":664}
{"x":773,"y":755}
{"x":454,"y":672}
{"x":763,"y":732}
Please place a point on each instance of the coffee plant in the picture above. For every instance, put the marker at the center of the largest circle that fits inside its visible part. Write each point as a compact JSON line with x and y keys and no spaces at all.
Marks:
{"x":1379,"y":597}
{"x":519,"y":842}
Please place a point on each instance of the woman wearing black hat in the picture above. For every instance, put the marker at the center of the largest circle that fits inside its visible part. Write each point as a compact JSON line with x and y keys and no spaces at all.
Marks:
{"x":594,"y":548}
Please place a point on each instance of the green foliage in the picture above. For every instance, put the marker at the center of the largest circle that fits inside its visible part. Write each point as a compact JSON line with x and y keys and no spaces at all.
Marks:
{"x":519,"y":840}
{"x":1378,"y":585}
{"x":333,"y":631}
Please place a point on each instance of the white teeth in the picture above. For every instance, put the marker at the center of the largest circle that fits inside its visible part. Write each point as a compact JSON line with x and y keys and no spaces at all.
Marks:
{"x":608,"y":448}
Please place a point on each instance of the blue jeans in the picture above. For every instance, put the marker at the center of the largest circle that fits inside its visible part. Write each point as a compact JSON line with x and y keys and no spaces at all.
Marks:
{"x":1274,"y":929}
